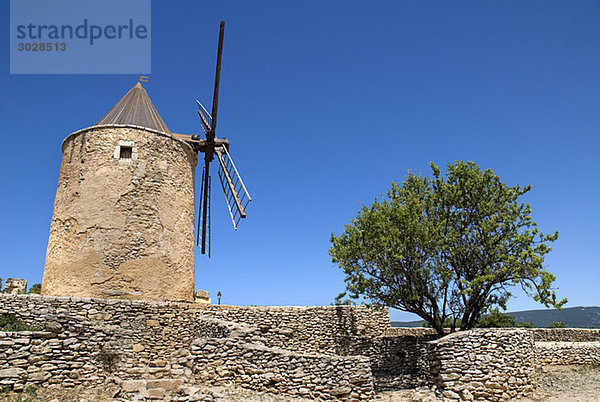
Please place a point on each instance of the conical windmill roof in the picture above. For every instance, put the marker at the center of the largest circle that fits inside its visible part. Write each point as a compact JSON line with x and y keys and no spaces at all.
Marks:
{"x":135,"y":108}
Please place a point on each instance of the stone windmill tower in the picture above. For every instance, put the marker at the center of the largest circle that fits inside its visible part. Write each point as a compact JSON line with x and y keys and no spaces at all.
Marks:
{"x":123,"y":223}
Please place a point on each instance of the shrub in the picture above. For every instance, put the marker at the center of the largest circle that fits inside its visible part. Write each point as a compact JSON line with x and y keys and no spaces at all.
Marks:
{"x":108,"y":359}
{"x":10,"y":323}
{"x":496,"y":319}
{"x":35,"y":288}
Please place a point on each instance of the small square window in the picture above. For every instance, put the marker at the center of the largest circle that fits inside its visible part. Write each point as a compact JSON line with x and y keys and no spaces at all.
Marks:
{"x":125,"y":152}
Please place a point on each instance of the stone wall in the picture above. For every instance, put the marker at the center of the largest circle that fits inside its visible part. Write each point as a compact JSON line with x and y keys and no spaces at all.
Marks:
{"x":567,"y":353}
{"x":96,"y":340}
{"x":489,"y":364}
{"x":396,"y":361}
{"x":307,"y":329}
{"x":565,"y":335}
{"x":314,"y":352}
{"x":409,"y":331}
{"x":566,"y":346}
{"x":43,"y":358}
{"x":236,"y":354}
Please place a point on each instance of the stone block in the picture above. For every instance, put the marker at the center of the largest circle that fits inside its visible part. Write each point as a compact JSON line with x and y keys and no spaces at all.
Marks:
{"x":202,"y":296}
{"x":11,"y":373}
{"x":166,"y":384}
{"x":154,"y":393}
{"x":133,"y":385}
{"x":15,"y":286}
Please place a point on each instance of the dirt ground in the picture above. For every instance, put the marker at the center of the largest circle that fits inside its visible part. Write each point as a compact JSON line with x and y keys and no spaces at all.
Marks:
{"x":568,"y":383}
{"x":555,"y":384}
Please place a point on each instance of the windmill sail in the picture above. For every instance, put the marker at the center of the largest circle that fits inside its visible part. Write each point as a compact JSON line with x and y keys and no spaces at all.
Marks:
{"x":205,"y":118}
{"x":235,"y":191}
{"x":236,"y":195}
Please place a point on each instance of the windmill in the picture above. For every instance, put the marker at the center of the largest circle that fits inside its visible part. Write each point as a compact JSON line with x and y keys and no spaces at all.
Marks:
{"x":235,"y":191}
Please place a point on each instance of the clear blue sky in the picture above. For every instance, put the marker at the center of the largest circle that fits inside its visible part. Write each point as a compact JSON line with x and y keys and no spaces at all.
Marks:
{"x":325,"y":103}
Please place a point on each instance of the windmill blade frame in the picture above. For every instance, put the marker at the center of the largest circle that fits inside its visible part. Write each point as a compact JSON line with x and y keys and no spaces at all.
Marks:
{"x":205,"y":118}
{"x":236,"y":194}
{"x":233,"y":186}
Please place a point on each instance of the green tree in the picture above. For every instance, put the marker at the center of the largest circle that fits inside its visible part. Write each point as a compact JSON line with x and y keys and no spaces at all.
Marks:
{"x":446,"y":247}
{"x":36,"y":288}
{"x":496,"y":319}
{"x":558,"y":324}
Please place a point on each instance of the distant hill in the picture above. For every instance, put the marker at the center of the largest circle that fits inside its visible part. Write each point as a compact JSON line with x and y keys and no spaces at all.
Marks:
{"x":409,"y":324}
{"x":574,"y":317}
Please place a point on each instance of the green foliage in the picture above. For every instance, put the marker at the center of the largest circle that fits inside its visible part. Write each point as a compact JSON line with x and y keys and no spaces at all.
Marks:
{"x":446,"y":248}
{"x":30,"y":394}
{"x":496,"y":319}
{"x":35,"y":288}
{"x":10,"y":323}
{"x":341,"y":300}
{"x":558,"y":324}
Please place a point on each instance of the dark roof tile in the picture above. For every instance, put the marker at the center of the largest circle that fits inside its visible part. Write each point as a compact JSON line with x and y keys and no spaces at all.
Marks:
{"x":137,"y":109}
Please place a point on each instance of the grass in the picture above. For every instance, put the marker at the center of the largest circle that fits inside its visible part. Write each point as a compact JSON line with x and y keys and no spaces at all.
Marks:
{"x":10,"y":323}
{"x":28,"y":395}
{"x":586,"y":368}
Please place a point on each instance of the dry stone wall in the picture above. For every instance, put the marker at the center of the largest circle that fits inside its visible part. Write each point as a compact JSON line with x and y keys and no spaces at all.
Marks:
{"x":489,"y":364}
{"x":237,"y":354}
{"x":566,"y":346}
{"x":409,"y":331}
{"x":567,"y":353}
{"x":98,"y":340}
{"x":412,"y":331}
{"x":42,"y":358}
{"x":307,"y":329}
{"x":339,"y":352}
{"x":565,"y":335}
{"x":396,"y":361}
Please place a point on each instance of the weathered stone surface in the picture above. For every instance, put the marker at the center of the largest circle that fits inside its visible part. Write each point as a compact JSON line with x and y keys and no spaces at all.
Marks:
{"x":566,"y":335}
{"x":166,"y":384}
{"x":567,"y":353}
{"x":478,"y":364}
{"x":163,"y":343}
{"x":11,"y":372}
{"x":202,"y":296}
{"x":53,"y":326}
{"x":15,"y":286}
{"x":154,"y":393}
{"x":123,"y":230}
{"x":133,"y":385}
{"x":323,"y":352}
